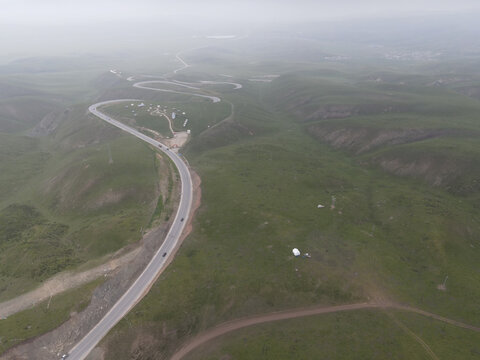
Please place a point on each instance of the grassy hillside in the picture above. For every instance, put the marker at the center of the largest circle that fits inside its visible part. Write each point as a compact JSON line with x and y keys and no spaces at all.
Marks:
{"x":201,"y":115}
{"x":80,"y":190}
{"x":23,"y":112}
{"x":380,"y":236}
{"x":45,"y":316}
{"x":343,"y":336}
{"x":389,"y":151}
{"x":407,"y":127}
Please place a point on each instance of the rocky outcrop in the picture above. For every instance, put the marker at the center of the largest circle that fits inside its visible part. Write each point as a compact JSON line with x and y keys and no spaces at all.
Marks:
{"x":363,"y":139}
{"x":49,"y":123}
{"x":340,"y":111}
{"x":456,"y":174}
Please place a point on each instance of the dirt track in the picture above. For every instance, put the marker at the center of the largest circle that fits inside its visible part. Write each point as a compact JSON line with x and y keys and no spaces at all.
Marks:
{"x":297,"y":313}
{"x":62,"y":282}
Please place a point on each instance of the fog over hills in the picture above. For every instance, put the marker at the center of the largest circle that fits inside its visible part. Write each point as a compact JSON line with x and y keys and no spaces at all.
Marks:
{"x":331,"y":150}
{"x":57,"y":27}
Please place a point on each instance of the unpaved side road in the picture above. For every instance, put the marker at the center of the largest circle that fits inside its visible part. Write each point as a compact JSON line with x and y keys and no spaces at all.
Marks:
{"x":297,"y":313}
{"x":241,"y":323}
{"x":61,"y":283}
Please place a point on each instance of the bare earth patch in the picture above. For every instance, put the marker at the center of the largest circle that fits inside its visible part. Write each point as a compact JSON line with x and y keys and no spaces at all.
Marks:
{"x":177,"y":141}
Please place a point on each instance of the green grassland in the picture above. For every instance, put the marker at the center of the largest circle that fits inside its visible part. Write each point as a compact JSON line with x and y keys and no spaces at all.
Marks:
{"x":343,"y":336}
{"x":45,"y":316}
{"x":77,"y":194}
{"x":140,"y":116}
{"x":419,"y":130}
{"x":328,"y":134}
{"x":69,"y":194}
{"x":20,"y":113}
{"x":201,"y":115}
{"x":263,"y":175}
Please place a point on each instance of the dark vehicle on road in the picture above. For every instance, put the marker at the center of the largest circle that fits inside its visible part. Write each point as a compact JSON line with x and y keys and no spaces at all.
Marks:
{"x":164,"y":254}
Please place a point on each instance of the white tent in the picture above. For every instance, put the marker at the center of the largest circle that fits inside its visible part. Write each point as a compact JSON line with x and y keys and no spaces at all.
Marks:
{"x":296,"y":252}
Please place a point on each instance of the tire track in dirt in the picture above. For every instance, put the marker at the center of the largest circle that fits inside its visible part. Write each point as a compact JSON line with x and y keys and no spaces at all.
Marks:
{"x":233,"y":325}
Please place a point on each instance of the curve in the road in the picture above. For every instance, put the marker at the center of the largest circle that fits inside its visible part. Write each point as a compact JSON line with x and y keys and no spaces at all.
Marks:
{"x":144,"y":85}
{"x":160,"y":259}
{"x":190,"y":85}
{"x":236,"y":85}
{"x":158,"y":262}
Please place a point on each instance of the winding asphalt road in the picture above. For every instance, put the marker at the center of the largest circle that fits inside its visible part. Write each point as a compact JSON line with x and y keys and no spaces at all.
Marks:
{"x":143,"y":85}
{"x":159,"y":261}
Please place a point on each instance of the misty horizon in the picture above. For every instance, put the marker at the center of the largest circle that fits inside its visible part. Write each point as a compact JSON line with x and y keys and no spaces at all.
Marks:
{"x":55,"y":27}
{"x":30,"y":12}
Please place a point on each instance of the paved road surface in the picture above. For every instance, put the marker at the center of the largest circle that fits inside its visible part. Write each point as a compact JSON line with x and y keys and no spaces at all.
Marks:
{"x":158,"y":262}
{"x":143,"y":85}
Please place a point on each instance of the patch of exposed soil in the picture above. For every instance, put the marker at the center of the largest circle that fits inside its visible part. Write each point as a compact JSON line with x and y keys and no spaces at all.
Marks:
{"x":49,"y":123}
{"x":305,"y":113}
{"x":434,"y":171}
{"x":177,"y":141}
{"x":109,"y":197}
{"x":361,"y":139}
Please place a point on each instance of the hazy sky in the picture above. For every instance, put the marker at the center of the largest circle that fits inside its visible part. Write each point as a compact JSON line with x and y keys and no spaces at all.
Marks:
{"x":30,"y":27}
{"x":94,"y":11}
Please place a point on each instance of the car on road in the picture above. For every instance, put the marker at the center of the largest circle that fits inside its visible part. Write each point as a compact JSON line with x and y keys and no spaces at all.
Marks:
{"x":181,"y":219}
{"x":164,"y":254}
